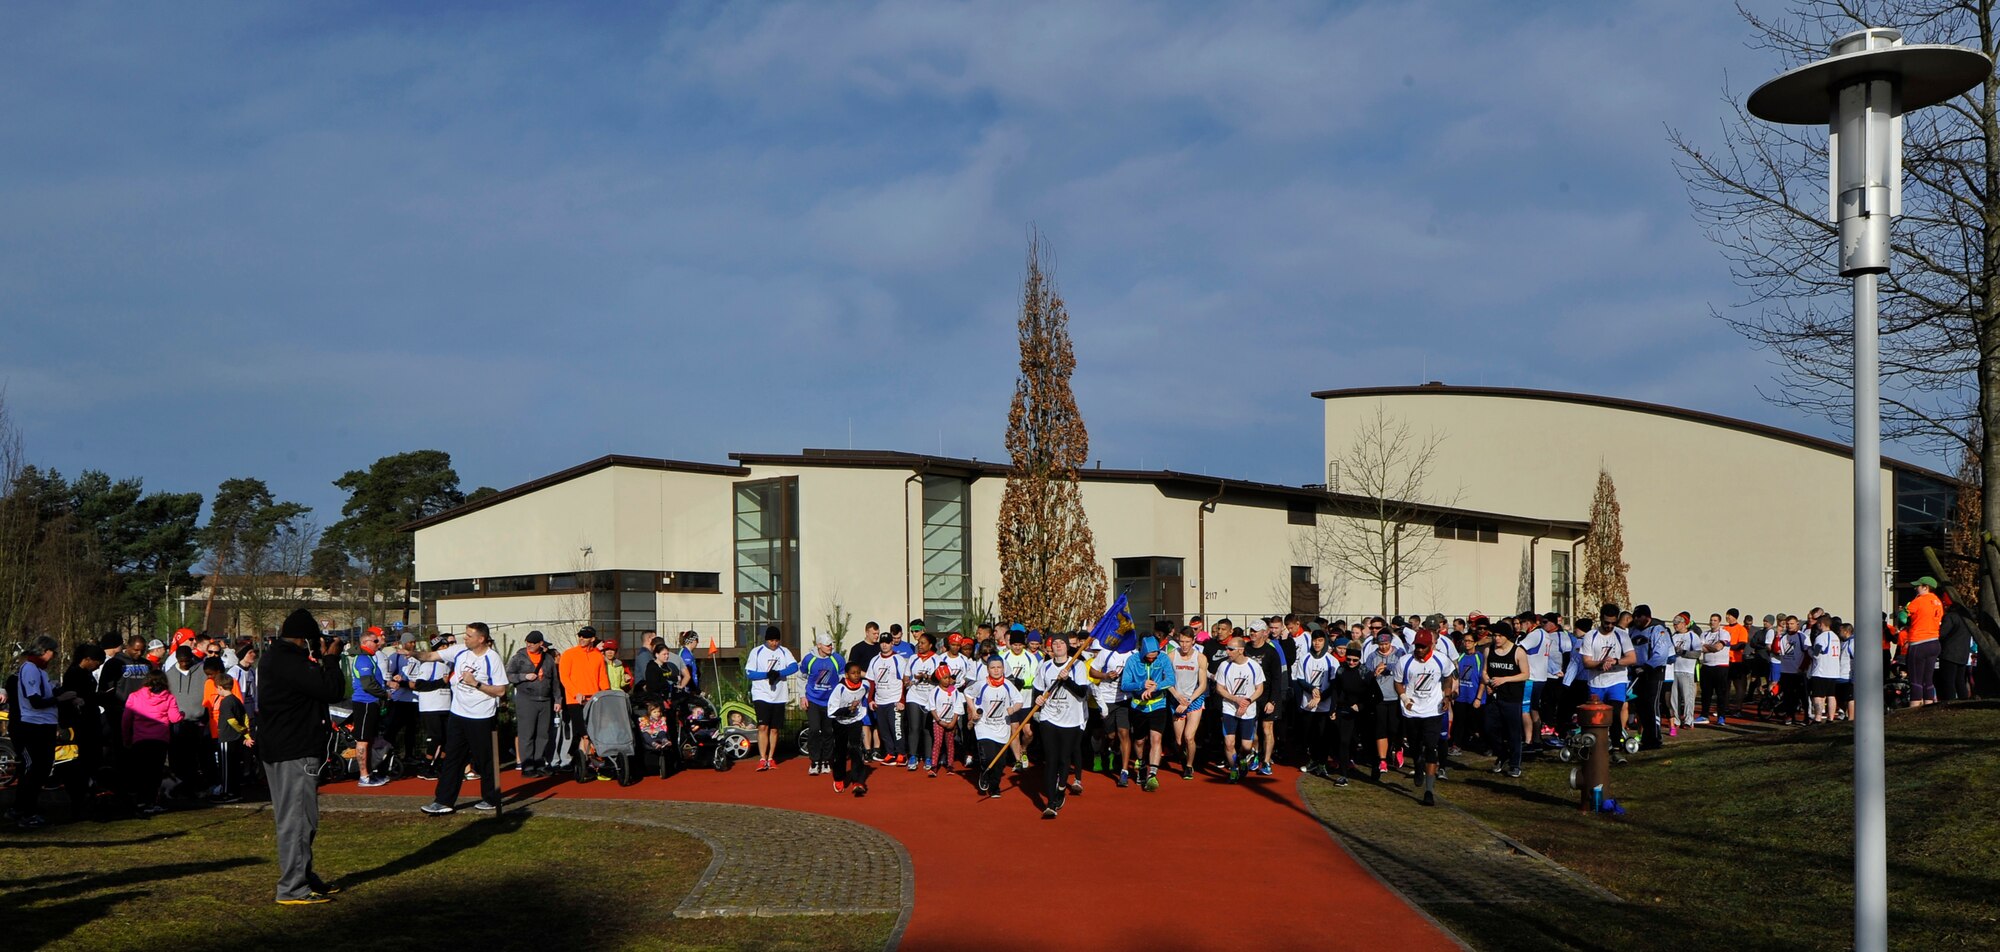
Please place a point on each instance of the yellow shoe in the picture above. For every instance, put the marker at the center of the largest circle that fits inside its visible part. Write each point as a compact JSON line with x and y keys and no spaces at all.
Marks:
{"x":309,"y":899}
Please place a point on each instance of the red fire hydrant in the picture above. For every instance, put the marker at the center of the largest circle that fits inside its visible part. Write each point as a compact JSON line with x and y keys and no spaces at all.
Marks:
{"x":1590,"y":775}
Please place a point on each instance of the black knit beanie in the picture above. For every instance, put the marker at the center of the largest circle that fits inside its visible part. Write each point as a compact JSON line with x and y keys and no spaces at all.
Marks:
{"x":300,"y":624}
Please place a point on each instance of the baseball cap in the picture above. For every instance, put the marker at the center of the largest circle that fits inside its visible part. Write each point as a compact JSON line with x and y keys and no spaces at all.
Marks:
{"x":608,"y":644}
{"x":1258,"y":625}
{"x":156,"y":645}
{"x":1017,"y":626}
{"x":1926,"y":581}
{"x":374,"y":629}
{"x":586,"y":632}
{"x":825,"y":639}
{"x":1426,"y":638}
{"x":535,"y":638}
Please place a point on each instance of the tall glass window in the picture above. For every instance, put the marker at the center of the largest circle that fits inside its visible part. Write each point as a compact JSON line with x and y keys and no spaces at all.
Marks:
{"x":767,"y":560}
{"x":947,"y":563}
{"x":1922,"y":518}
{"x":1559,"y":582}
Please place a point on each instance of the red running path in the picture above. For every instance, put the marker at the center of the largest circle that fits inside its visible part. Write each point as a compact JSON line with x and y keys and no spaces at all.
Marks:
{"x":1245,"y":867}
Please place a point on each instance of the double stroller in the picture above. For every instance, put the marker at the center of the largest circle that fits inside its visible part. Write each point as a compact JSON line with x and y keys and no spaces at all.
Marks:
{"x":702,"y":735}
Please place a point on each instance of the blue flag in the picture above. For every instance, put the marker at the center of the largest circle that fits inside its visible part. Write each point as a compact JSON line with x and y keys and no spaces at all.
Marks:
{"x":1117,"y":620}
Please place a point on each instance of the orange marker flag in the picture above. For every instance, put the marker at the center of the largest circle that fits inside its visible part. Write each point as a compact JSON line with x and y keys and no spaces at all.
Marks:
{"x":712,"y":646}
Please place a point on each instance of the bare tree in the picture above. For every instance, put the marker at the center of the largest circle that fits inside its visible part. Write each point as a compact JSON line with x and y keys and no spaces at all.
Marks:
{"x":1384,"y":530}
{"x":19,"y":528}
{"x":1761,"y":192}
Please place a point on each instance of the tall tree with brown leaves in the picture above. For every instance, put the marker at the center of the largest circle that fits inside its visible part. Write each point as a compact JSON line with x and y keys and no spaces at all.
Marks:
{"x":1049,"y":576}
{"x":1604,"y":565}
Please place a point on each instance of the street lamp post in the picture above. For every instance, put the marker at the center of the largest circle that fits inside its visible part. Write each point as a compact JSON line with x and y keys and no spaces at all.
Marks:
{"x":1861,"y":90}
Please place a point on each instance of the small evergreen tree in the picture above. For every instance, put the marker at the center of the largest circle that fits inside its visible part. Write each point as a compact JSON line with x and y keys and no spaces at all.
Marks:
{"x":1049,"y":576}
{"x":1604,"y":551}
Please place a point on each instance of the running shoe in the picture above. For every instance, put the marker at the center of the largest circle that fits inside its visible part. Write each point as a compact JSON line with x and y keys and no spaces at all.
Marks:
{"x":1187,"y":773}
{"x":376,"y":781}
{"x":812,"y":771}
{"x":1048,"y":813}
{"x":1701,"y":720}
{"x":484,"y":806}
{"x":1124,"y":779}
{"x":1152,"y":783}
{"x":933,"y":771}
{"x":1514,"y":772}
{"x":839,"y":787}
{"x":763,"y":765}
{"x":1456,"y":751}
{"x":152,"y":809}
{"x":912,"y":768}
{"x":1442,"y":775}
{"x":1340,"y":780}
{"x":1618,"y":758}
{"x":31,"y":822}
{"x":436,"y":809}
{"x":1428,"y":800}
{"x":1498,"y":767}
{"x":1263,"y":770}
{"x":861,"y":789}
{"x":1721,"y":721}
{"x":1381,"y":767}
{"x":1673,"y":732}
{"x":1076,"y":785}
{"x":309,"y":899}
{"x":1235,"y":774}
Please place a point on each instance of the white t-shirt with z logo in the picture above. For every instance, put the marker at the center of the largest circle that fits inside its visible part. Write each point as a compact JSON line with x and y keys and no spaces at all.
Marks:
{"x":992,"y":704}
{"x":1240,"y":680}
{"x":1423,"y":685}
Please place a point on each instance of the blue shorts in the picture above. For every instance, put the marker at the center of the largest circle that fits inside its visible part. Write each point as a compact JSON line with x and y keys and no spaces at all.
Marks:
{"x":1233,"y":726}
{"x":1194,"y":706}
{"x":1614,"y":694}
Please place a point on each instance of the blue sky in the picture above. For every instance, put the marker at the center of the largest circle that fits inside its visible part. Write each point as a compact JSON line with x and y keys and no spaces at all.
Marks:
{"x":282,"y":240}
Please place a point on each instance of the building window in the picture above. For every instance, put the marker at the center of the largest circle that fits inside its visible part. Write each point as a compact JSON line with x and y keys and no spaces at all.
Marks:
{"x":1922,"y":518}
{"x":1155,"y":585}
{"x":638,"y":581}
{"x":1468,"y":530}
{"x":510,"y":584}
{"x":708,"y":582}
{"x":1305,"y":591}
{"x":947,"y":562}
{"x":767,"y":559}
{"x":1301,"y":512}
{"x":1559,"y":582}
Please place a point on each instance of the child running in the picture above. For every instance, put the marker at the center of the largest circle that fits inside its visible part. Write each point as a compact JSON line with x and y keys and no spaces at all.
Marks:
{"x":848,"y":705}
{"x":989,"y":705}
{"x":1062,"y":714}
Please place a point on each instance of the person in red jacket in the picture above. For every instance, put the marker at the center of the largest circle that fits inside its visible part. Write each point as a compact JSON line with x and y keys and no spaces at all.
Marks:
{"x":583,"y":673}
{"x":1921,"y":648}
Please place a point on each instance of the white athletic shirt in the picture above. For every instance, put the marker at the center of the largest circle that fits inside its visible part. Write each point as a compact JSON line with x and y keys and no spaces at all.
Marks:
{"x":1106,"y":692}
{"x":1536,"y":644}
{"x":1062,"y":709}
{"x":1826,"y":651}
{"x":1686,"y":641}
{"x":1423,"y":685}
{"x":1715,"y":648}
{"x":888,"y":674}
{"x":1187,"y":672}
{"x":844,"y":696}
{"x":992,"y":705}
{"x":1847,"y":659}
{"x":1022,"y":666}
{"x":763,"y":660}
{"x":1606,"y":646}
{"x":921,"y":688}
{"x":469,"y":701}
{"x":431,"y":701}
{"x":1317,"y":674}
{"x":1240,"y":680}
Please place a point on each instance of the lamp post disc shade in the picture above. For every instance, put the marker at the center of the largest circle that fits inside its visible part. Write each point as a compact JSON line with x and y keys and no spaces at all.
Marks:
{"x":1926,"y":75}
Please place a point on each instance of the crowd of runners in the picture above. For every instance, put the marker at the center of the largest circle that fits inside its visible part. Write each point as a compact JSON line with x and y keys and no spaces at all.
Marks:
{"x":152,"y":722}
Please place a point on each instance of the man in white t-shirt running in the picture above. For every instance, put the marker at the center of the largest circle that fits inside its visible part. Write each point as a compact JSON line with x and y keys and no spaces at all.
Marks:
{"x":1239,"y":683}
{"x":1424,"y":680}
{"x":478,"y":682}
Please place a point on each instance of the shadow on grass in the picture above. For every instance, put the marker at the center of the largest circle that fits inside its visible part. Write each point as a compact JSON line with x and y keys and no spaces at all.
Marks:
{"x":49,"y":921}
{"x":466,"y":837}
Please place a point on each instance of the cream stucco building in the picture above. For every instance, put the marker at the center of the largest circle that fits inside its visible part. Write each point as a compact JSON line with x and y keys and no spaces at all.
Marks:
{"x":1717,"y":513}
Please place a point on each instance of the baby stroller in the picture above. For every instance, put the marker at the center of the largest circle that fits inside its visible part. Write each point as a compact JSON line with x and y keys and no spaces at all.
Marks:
{"x":699,"y":721}
{"x":609,"y":723}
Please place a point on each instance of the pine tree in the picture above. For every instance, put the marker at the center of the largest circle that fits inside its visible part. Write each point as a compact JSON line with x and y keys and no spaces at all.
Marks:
{"x":1049,"y":576}
{"x":1604,"y":551}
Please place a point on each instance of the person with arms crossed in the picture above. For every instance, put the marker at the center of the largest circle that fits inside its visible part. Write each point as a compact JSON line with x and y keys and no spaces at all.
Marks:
{"x":820,"y":671}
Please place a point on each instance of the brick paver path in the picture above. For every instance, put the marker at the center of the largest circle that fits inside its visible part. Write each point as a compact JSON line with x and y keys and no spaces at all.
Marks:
{"x":764,"y":861}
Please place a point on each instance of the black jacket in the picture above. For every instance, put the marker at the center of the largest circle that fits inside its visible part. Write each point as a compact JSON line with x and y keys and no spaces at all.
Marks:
{"x":1276,"y":678}
{"x":1352,"y":689}
{"x":1955,"y":636}
{"x":293,"y":691}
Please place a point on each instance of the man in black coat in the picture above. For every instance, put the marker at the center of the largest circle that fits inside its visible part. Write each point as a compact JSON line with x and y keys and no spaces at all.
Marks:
{"x":294,"y":686}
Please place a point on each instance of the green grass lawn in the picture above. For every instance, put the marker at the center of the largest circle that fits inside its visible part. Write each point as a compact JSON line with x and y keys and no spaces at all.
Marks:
{"x":204,"y":879}
{"x":1746,"y":843}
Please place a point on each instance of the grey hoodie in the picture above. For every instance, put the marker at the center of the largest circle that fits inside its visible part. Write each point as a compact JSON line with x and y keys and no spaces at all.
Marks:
{"x":187,"y":688}
{"x":543,"y":690}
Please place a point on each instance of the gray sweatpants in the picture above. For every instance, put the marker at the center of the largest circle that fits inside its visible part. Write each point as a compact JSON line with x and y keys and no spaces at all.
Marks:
{"x":536,"y":722}
{"x":295,"y":806}
{"x":1683,"y":701}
